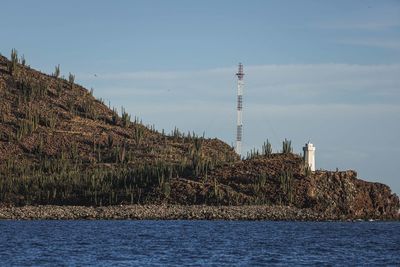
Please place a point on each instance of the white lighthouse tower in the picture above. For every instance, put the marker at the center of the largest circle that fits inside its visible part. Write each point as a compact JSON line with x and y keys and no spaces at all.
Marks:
{"x":239,"y":124}
{"x":309,"y":155}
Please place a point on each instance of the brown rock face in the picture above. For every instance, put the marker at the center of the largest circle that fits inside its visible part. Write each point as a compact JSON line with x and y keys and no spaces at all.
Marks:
{"x":342,"y":193}
{"x":331,"y":193}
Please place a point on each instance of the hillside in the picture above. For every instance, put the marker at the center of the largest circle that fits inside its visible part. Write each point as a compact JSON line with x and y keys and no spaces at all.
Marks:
{"x":60,"y":145}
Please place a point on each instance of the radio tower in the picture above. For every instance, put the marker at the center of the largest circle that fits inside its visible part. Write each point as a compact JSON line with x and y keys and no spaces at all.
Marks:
{"x":239,"y":129}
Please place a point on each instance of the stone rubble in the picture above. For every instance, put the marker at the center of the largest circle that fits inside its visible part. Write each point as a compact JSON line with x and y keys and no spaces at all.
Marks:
{"x":164,"y":212}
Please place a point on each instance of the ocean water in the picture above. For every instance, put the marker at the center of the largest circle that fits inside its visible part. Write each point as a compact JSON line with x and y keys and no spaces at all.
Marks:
{"x":197,"y":243}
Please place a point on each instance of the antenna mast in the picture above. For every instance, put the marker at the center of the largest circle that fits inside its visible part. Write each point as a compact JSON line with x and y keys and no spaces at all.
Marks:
{"x":239,"y":128}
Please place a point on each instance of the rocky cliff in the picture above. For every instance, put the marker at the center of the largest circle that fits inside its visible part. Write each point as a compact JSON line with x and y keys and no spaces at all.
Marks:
{"x":343,"y":193}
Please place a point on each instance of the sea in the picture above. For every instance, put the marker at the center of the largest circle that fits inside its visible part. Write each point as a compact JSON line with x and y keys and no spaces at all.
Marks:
{"x":198,"y":243}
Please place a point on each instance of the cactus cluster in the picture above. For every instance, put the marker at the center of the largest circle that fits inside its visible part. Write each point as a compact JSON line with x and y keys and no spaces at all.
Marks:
{"x":64,"y":180}
{"x":31,"y":89}
{"x":252,"y":154}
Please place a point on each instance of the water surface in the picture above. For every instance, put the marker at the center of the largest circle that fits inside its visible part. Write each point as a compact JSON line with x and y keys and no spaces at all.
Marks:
{"x":170,"y":243}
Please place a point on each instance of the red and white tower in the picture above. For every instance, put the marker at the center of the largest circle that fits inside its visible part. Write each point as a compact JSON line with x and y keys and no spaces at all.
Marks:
{"x":239,"y":129}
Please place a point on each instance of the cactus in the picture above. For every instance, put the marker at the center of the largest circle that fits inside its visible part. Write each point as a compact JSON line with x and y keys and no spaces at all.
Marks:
{"x":199,"y":164}
{"x":307,"y":170}
{"x":122,"y":153}
{"x":126,"y":118}
{"x":12,"y":65}
{"x":138,"y":134}
{"x":286,"y":185}
{"x":29,"y":124}
{"x":59,"y":89}
{"x":23,"y":61}
{"x":166,"y":189}
{"x":267,"y":149}
{"x":262,"y":179}
{"x":215,"y":187}
{"x":114,"y":118}
{"x":110,"y":141}
{"x":287,"y":147}
{"x":71,"y":79}
{"x":57,"y":72}
{"x":176,"y":133}
{"x":252,"y":154}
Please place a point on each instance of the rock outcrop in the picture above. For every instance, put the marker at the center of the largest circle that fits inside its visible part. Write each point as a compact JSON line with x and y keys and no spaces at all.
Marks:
{"x":343,"y":193}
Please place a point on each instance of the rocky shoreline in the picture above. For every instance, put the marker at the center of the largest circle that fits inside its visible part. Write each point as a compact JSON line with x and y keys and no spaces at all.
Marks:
{"x":164,"y":212}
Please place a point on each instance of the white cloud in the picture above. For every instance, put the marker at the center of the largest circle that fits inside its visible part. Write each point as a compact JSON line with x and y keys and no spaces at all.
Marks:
{"x":380,"y":43}
{"x":367,"y":24}
{"x":282,"y":84}
{"x":365,"y":16}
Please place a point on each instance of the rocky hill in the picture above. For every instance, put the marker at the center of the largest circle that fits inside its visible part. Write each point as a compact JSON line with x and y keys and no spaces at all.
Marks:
{"x":60,"y":145}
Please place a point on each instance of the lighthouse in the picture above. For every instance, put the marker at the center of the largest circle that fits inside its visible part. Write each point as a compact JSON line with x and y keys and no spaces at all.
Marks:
{"x":309,"y":155}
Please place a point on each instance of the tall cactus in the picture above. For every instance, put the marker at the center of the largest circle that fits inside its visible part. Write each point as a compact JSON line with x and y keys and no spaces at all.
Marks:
{"x":267,"y":149}
{"x":286,"y":185}
{"x":126,"y":118}
{"x":57,"y":71}
{"x":287,"y":147}
{"x":12,"y":65}
{"x":71,"y":79}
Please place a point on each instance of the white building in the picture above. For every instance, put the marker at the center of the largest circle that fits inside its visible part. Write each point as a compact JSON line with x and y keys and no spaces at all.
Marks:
{"x":309,"y":155}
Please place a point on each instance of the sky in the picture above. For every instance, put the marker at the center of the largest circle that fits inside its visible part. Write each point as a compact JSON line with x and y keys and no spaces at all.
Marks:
{"x":325,"y":71}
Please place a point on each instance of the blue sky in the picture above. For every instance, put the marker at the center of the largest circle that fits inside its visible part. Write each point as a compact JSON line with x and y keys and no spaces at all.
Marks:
{"x":328,"y":71}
